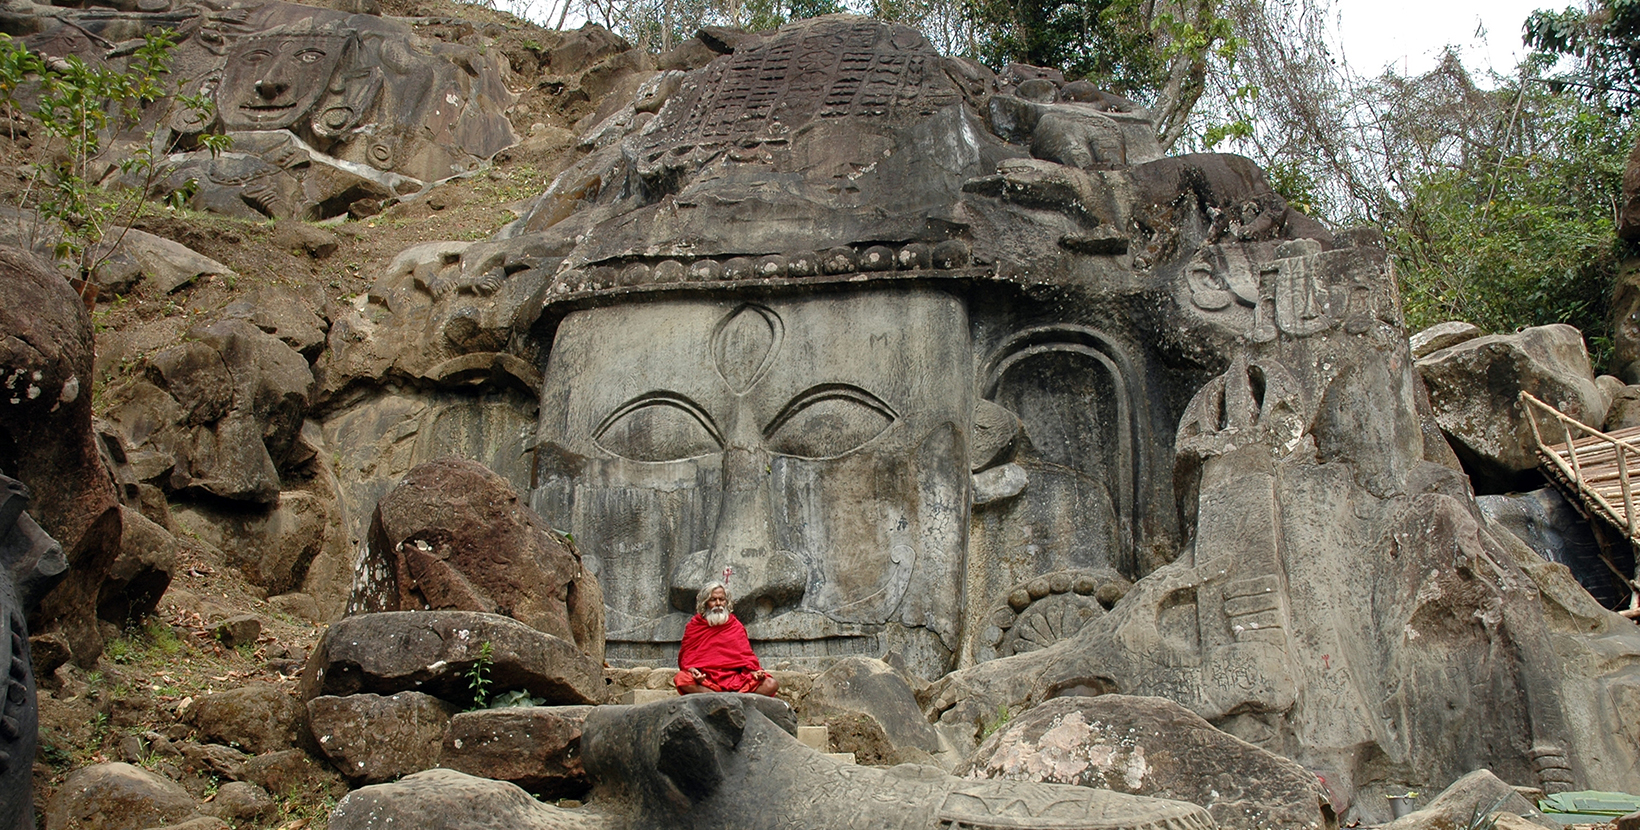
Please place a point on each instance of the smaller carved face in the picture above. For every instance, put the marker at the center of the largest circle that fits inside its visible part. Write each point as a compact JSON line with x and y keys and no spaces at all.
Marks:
{"x":272,"y":82}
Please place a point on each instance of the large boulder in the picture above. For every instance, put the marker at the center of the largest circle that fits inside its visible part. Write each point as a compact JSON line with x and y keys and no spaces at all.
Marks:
{"x":117,"y":796}
{"x":872,"y":689}
{"x":442,"y":799}
{"x":455,"y":536}
{"x":46,"y":441}
{"x":1475,"y":385}
{"x":1478,"y":794}
{"x":439,"y":652}
{"x":1155,"y":747}
{"x":536,"y":747}
{"x":140,"y":574}
{"x":1554,"y":530}
{"x":372,"y":739}
{"x":218,"y":413}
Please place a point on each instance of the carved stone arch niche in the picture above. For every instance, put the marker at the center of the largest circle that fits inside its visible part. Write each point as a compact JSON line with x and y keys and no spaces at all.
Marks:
{"x":1080,"y":446}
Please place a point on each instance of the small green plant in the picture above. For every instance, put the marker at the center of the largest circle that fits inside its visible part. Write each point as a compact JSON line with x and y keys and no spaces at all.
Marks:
{"x":121,"y":650}
{"x":478,"y":675}
{"x":80,"y":106}
{"x":1485,"y":819}
{"x":1001,"y":720}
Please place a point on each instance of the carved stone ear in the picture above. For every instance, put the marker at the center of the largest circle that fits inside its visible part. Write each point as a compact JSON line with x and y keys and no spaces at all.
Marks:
{"x":994,"y":429}
{"x":689,"y":756}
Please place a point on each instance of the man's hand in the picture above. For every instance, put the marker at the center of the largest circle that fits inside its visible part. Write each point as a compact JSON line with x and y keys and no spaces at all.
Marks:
{"x":760,"y":675}
{"x":700,"y":678}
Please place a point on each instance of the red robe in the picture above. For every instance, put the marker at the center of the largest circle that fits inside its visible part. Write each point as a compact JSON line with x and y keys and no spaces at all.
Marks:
{"x":721,"y":652}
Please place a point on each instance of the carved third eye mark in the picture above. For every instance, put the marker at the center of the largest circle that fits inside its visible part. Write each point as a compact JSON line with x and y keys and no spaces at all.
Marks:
{"x":744,"y":345}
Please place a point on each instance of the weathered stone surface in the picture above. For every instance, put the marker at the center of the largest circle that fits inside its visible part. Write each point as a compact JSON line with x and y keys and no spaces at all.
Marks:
{"x":292,"y":770}
{"x":433,"y":651}
{"x":874,"y":688}
{"x":140,"y":574}
{"x":1480,"y":792}
{"x":1153,"y":746}
{"x":45,"y":430}
{"x":731,"y":761}
{"x":259,"y":718}
{"x":442,"y":799}
{"x":1441,"y":336}
{"x":219,"y":413}
{"x":536,"y":747}
{"x":117,"y":796}
{"x":1553,"y":529}
{"x":165,"y":266}
{"x":372,"y":739}
{"x":284,"y":313}
{"x":201,"y":823}
{"x":241,"y":801}
{"x":237,"y":629}
{"x":1474,"y":385}
{"x":1624,"y":411}
{"x":273,"y":545}
{"x":454,"y":536}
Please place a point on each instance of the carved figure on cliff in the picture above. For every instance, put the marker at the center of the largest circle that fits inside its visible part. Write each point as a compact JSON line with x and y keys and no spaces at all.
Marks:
{"x":716,"y":655}
{"x":326,"y":109}
{"x":948,"y":369}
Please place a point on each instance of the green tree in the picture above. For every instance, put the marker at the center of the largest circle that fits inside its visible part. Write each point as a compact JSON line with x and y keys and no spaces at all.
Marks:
{"x":1603,"y":40}
{"x":1156,"y":51}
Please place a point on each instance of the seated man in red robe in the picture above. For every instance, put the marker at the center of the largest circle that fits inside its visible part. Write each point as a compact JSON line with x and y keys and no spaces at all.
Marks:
{"x":716,"y":656}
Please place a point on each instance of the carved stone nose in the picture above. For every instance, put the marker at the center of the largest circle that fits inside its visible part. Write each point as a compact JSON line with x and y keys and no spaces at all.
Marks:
{"x":763,"y":578}
{"x":270,"y":90}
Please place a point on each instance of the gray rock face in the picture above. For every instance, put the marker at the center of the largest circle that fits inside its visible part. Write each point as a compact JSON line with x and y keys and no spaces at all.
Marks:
{"x":730,"y":761}
{"x":1473,"y":388}
{"x":536,"y":747}
{"x":434,"y":651}
{"x":1553,"y":529}
{"x":219,"y":413}
{"x":1155,"y":747}
{"x":1441,"y":336}
{"x":117,"y":796}
{"x":453,"y":536}
{"x":140,"y":574}
{"x":372,"y":739}
{"x":259,"y":718}
{"x":873,"y":688}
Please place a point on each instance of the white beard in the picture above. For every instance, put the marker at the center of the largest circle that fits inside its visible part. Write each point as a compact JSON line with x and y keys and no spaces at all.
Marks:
{"x":716,"y":616}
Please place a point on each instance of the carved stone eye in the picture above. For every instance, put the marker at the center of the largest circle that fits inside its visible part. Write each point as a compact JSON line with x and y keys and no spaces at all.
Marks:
{"x":310,"y":55}
{"x":828,"y":421}
{"x":658,"y":427}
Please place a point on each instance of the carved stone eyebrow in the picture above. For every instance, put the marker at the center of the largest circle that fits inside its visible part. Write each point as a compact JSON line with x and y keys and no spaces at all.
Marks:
{"x":661,"y":398}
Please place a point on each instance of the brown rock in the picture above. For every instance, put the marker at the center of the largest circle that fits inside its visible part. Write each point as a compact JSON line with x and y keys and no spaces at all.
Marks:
{"x":258,"y":718}
{"x":238,"y":630}
{"x":1479,"y":792}
{"x":372,"y":739}
{"x":1154,"y":747}
{"x":454,"y":536}
{"x":536,"y":747}
{"x":434,"y":652}
{"x":292,"y":771}
{"x":45,"y":430}
{"x":117,"y":797}
{"x":241,"y":801}
{"x":140,"y":574}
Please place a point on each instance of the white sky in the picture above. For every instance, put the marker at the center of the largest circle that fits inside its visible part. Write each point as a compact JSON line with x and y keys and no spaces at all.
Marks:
{"x":1410,"y":34}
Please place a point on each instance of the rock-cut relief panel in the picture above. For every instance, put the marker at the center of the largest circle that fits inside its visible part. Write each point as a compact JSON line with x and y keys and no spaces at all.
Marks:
{"x":811,"y":449}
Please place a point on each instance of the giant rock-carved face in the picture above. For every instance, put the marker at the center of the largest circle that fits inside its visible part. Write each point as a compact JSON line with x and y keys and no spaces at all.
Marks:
{"x":815,"y":448}
{"x":272,"y":82}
